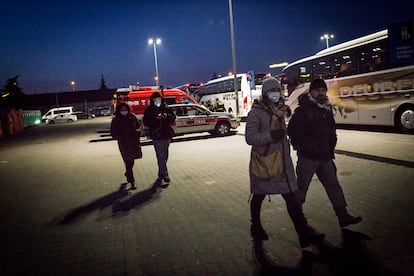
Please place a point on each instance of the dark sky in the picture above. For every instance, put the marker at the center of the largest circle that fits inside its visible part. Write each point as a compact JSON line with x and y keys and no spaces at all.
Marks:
{"x":50,"y":43}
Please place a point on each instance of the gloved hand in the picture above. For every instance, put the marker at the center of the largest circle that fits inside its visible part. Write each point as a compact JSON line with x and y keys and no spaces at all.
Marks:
{"x":277,"y":134}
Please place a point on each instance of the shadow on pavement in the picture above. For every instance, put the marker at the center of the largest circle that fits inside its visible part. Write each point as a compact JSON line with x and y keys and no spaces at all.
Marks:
{"x":265,"y":262}
{"x":351,"y":258}
{"x":176,"y":139}
{"x":138,"y":200}
{"x":119,"y":201}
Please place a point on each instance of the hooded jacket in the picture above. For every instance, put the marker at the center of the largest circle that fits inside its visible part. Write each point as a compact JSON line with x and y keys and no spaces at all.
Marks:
{"x":258,"y":136}
{"x":312,"y":131}
{"x":159,"y":129}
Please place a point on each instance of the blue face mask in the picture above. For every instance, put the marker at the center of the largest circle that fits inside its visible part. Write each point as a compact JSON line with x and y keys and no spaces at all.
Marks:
{"x":274,"y":97}
{"x":157,"y":104}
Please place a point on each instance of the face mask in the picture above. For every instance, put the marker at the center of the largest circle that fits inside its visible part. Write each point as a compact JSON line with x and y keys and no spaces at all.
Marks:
{"x":157,"y":104}
{"x":274,"y":97}
{"x":124,"y":112}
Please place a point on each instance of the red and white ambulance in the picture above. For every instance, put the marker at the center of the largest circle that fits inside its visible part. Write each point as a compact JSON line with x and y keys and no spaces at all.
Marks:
{"x":138,"y":97}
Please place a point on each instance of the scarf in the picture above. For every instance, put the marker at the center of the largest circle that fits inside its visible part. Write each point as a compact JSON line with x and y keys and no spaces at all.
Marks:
{"x":325,"y":105}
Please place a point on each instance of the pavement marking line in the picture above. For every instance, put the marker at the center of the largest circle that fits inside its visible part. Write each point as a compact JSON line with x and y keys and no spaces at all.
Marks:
{"x":392,"y":161}
{"x":381,"y":159}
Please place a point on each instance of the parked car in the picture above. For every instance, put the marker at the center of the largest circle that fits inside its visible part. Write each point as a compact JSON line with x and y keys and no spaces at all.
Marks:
{"x":61,"y":118}
{"x":53,"y":113}
{"x":194,"y":118}
{"x":101,"y":111}
{"x":83,"y":115}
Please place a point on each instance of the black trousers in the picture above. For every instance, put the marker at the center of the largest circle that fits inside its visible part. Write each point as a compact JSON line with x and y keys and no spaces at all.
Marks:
{"x":295,"y":212}
{"x":129,"y":165}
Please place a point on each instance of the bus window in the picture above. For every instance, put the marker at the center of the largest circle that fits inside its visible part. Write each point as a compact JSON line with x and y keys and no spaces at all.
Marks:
{"x":344,"y":64}
{"x":372,"y":58}
{"x":322,"y":69}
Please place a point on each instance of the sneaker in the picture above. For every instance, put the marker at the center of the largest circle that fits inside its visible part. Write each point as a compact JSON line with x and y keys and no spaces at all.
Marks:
{"x":167,"y":180}
{"x":133,"y":186}
{"x":258,"y":233}
{"x":348,"y":219}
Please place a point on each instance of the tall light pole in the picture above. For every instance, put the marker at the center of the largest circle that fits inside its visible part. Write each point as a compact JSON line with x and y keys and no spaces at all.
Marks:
{"x":72,"y":83}
{"x":327,"y":37}
{"x":233,"y":54}
{"x":155,"y":42}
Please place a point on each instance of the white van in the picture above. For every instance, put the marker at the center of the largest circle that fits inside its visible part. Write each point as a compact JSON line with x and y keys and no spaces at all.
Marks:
{"x":58,"y":115}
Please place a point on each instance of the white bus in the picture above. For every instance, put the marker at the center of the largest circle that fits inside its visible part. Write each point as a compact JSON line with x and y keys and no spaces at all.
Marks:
{"x":250,"y":88}
{"x":370,"y":79}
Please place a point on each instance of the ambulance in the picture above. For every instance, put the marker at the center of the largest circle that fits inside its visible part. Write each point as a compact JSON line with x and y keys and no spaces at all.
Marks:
{"x":138,"y":98}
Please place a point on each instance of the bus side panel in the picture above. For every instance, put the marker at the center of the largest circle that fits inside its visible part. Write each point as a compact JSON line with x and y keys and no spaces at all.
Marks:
{"x":371,"y":96}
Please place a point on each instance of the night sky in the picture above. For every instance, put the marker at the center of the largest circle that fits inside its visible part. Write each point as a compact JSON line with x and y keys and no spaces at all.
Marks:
{"x":50,"y":43}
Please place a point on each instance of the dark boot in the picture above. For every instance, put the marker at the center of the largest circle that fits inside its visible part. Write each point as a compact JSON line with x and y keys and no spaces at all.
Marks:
{"x":257,"y":232}
{"x":256,"y":229}
{"x":345,"y":218}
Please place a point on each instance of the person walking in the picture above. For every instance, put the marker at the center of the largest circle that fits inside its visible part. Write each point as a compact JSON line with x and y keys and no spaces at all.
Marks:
{"x":159,"y":119}
{"x":312,"y":132}
{"x":125,"y":129}
{"x":266,"y":133}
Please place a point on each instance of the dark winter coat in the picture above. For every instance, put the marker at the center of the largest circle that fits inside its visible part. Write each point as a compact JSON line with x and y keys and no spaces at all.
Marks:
{"x":312,"y":131}
{"x":259,"y":137}
{"x":125,"y":129}
{"x":159,"y":129}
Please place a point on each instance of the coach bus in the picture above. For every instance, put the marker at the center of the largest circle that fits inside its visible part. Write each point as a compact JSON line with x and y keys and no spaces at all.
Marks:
{"x":249,"y":88}
{"x":370,"y":79}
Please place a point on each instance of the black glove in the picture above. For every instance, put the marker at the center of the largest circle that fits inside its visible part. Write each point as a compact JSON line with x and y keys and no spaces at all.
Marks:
{"x":277,"y":134}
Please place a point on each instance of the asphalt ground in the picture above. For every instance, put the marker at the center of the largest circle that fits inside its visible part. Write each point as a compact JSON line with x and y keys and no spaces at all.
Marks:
{"x":64,"y":210}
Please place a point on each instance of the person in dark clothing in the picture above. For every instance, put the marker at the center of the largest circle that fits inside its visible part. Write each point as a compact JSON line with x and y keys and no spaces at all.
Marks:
{"x":312,"y":132}
{"x":125,"y":128}
{"x":266,"y":133}
{"x":159,"y":119}
{"x":219,"y":106}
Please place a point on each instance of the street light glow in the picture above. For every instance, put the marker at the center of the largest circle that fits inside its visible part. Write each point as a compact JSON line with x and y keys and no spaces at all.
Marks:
{"x":155,"y":42}
{"x":327,"y":37}
{"x":72,"y":83}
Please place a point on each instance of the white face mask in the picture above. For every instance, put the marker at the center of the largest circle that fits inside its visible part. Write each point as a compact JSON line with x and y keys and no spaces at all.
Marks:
{"x":124,"y":112}
{"x":274,"y":97}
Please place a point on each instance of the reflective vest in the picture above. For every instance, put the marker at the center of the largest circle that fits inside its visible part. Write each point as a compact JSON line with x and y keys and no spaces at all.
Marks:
{"x":220,"y":107}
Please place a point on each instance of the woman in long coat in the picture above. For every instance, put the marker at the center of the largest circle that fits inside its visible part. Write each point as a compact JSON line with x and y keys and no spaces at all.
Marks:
{"x":125,"y":128}
{"x":266,"y":133}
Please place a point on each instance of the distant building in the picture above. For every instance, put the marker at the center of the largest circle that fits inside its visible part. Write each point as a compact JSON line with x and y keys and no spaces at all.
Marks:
{"x":87,"y":101}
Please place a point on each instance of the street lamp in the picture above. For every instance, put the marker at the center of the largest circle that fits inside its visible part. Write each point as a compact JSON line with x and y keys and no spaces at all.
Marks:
{"x":155,"y":42}
{"x":233,"y":55}
{"x":327,"y":37}
{"x":72,"y":83}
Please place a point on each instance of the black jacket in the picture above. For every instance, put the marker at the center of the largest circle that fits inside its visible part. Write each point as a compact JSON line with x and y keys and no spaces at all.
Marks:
{"x":159,"y":129}
{"x":312,"y":131}
{"x":125,"y":129}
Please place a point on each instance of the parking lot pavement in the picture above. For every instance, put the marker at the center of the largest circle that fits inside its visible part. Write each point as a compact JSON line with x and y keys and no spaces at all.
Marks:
{"x":63,"y":212}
